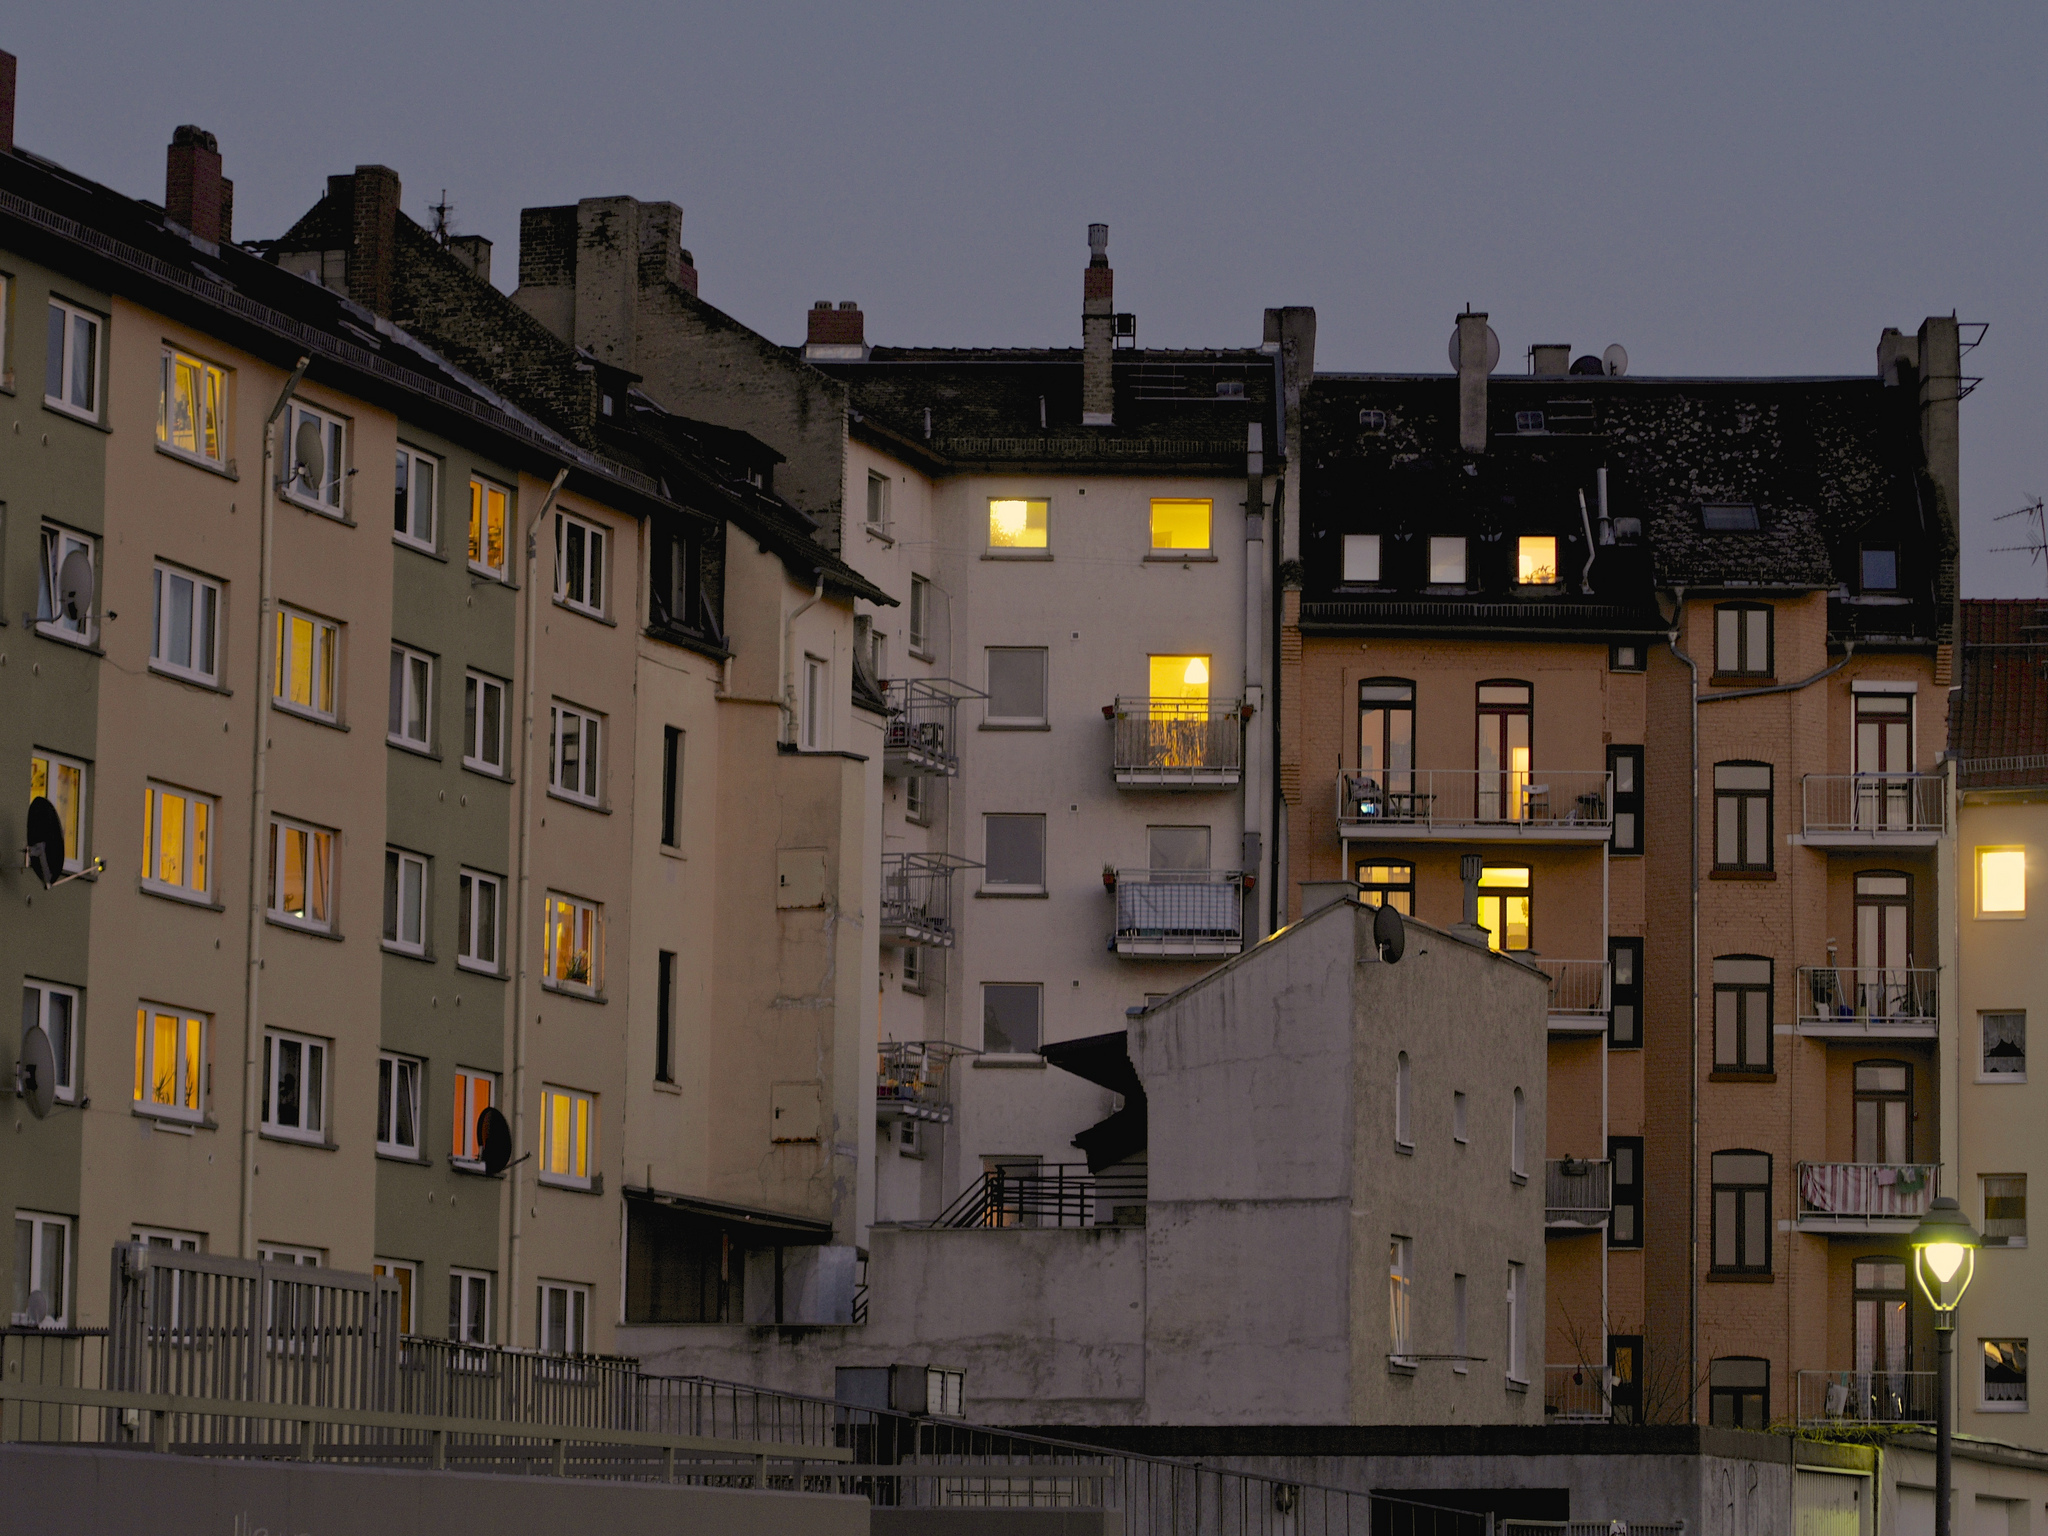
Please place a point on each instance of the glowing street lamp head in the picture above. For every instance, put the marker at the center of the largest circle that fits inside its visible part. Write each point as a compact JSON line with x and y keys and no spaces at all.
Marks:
{"x":1944,"y":1246}
{"x":1944,"y":1259}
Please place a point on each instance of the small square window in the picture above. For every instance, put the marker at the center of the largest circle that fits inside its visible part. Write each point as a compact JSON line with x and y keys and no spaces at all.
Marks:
{"x":405,"y":902}
{"x":1370,"y":422}
{"x":2001,"y":882}
{"x":1016,"y":685}
{"x":413,"y":503}
{"x":1011,"y":1016}
{"x":398,"y":1105}
{"x":1880,"y":570}
{"x":1536,"y":560}
{"x":1180,"y":526}
{"x":1447,"y":562}
{"x":315,"y":471}
{"x":2005,"y":1047}
{"x":294,"y":1086}
{"x":1528,"y":421}
{"x":1361,"y":557}
{"x":1014,"y":853}
{"x":1628,"y":656}
{"x":1017,"y":524}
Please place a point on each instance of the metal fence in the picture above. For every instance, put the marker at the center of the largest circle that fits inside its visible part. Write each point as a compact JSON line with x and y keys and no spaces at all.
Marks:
{"x":1575,"y":1394}
{"x":922,"y":735}
{"x":1868,"y":1397}
{"x":1184,"y":742}
{"x":1865,"y":998}
{"x":1049,"y":1195}
{"x":1855,"y":804}
{"x":1406,"y":802}
{"x":1856,"y":1193}
{"x":1578,"y":988}
{"x":911,"y":1078}
{"x":1178,"y":912}
{"x":917,"y":897}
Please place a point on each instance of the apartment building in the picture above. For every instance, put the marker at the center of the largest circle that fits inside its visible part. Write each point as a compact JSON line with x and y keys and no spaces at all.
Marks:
{"x":1647,"y":676}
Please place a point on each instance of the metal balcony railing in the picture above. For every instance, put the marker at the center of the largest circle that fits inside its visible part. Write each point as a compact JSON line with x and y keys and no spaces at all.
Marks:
{"x":1575,"y":1394}
{"x":922,"y":734}
{"x":1853,"y":1196}
{"x":1577,"y":1193}
{"x":1573,"y":805}
{"x":1873,"y":806}
{"x":1179,"y":913}
{"x":917,"y":897}
{"x":1868,"y":1000}
{"x":1050,"y":1195}
{"x":1578,"y":991}
{"x":1867,"y":1397}
{"x":911,"y":1078}
{"x":1178,"y":743}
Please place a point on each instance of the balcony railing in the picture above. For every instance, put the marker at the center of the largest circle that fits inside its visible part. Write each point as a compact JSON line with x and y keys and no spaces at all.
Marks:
{"x":1578,"y":993}
{"x":1854,"y":808}
{"x":1178,"y":743}
{"x":1867,"y":1397}
{"x":1864,"y":1197}
{"x":1557,"y":805}
{"x":911,"y":1079}
{"x":1178,"y":914}
{"x":922,"y":733}
{"x":917,"y":898}
{"x":1050,"y":1195}
{"x":1577,"y":1193}
{"x":1861,"y":1001}
{"x":1575,"y":1394}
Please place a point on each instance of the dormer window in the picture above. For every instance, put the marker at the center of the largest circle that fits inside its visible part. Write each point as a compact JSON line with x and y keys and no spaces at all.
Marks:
{"x":1536,"y":560}
{"x":1880,"y":570}
{"x":1729,"y":517}
{"x":607,"y":405}
{"x":1372,"y":421}
{"x":1528,"y":421}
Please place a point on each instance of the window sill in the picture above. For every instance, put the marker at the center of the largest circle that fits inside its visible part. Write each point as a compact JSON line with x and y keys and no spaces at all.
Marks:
{"x":176,"y":1125}
{"x":1742,"y":680}
{"x":1182,"y":557}
{"x":1742,"y":874}
{"x":286,"y":1139}
{"x":1982,"y":917}
{"x":1400,"y":1367}
{"x":2001,"y":1407}
{"x":1018,"y":554}
{"x":419,"y":549}
{"x":581,"y":994}
{"x":1516,"y":1384}
{"x":475,"y":968}
{"x":1037,"y":725}
{"x":410,"y":1159}
{"x":485,"y":573}
{"x":182,"y":897}
{"x":668,"y":852}
{"x":1518,"y":1178}
{"x":584,"y":613}
{"x":307,"y":929}
{"x":1997,"y":1079}
{"x":308,"y":716}
{"x":1028,"y":1061}
{"x":192,"y":682}
{"x":1728,"y":1277}
{"x":581,"y":805}
{"x":398,"y":952}
{"x":2005,"y":1242}
{"x":485,"y":771}
{"x":878,"y":531}
{"x":73,"y":413}
{"x":1404,"y":1148}
{"x":225,"y":471}
{"x":660,"y":1086}
{"x":414,"y":748}
{"x":473,"y":1167}
{"x":318,"y":509}
{"x":594,"y":1185}
{"x":90,"y":644}
{"x":1725,"y":1075}
{"x":985,"y":894}
{"x":923,"y":653}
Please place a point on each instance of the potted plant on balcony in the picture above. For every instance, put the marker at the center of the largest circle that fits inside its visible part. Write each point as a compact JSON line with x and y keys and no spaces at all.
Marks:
{"x":1109,"y":877}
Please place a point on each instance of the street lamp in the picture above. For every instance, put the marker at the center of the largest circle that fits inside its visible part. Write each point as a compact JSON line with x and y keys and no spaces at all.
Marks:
{"x":1945,"y":1261}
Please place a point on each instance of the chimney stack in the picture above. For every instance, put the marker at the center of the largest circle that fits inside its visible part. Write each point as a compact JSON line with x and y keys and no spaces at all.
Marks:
{"x":1475,"y":350}
{"x":373,"y":246}
{"x":1098,"y":323}
{"x":836,"y":333}
{"x":686,"y":274}
{"x":195,"y":195}
{"x":1550,"y":360}
{"x":6,"y":101}
{"x":474,"y":252}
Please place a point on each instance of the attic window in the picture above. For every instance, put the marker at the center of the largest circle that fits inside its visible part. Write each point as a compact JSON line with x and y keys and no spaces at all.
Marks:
{"x":1372,"y":421}
{"x":1528,"y":421}
{"x":607,"y":405}
{"x":1230,"y":389}
{"x":1729,"y":517}
{"x":1880,"y":570}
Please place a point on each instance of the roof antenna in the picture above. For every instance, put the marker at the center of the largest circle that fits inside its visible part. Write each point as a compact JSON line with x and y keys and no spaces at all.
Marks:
{"x":440,"y":211}
{"x":2036,"y":547}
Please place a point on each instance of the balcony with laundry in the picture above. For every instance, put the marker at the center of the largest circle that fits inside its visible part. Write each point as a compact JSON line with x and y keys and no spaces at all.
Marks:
{"x":1883,"y":1187}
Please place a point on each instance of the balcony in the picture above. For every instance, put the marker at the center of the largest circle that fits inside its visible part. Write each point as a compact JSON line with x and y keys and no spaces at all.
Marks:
{"x":1829,"y":1398}
{"x":1466,"y":805}
{"x":911,"y":1079}
{"x":1578,"y":1195}
{"x":917,"y":898}
{"x":1179,"y":914}
{"x":1575,"y":1394}
{"x":1177,"y":743}
{"x":1873,"y":810}
{"x":1867,"y":1002}
{"x":1578,"y":995}
{"x":922,"y":736}
{"x":1864,"y":1198}
{"x":1051,"y":1195}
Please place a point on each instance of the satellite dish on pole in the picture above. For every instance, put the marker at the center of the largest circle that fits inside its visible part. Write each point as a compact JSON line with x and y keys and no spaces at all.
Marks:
{"x":45,"y":846}
{"x":494,"y":1140}
{"x":1389,"y":933}
{"x":1492,"y":349}
{"x":74,"y":585}
{"x":37,"y":1080}
{"x":1616,"y":359}
{"x":309,"y":459}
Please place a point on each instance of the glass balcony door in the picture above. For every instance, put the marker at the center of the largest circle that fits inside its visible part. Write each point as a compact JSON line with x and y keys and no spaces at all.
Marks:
{"x":1504,"y":790}
{"x":1884,"y":747}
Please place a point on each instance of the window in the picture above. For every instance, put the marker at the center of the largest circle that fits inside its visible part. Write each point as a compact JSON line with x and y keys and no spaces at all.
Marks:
{"x":1011,"y":1014}
{"x":1461,"y":1332}
{"x":1404,"y":1094}
{"x":479,"y":900}
{"x":1013,"y":853}
{"x":412,"y":500}
{"x":177,"y":842}
{"x":1884,"y":744}
{"x":474,"y":1093}
{"x":312,"y":445}
{"x":671,"y":787}
{"x":1625,"y":993}
{"x":412,"y":674}
{"x":1386,"y":742}
{"x":61,"y":781}
{"x":1742,"y":815}
{"x":579,"y":563}
{"x":1739,"y":1393}
{"x":483,"y":723}
{"x":1180,"y":526}
{"x":1883,"y":1318}
{"x":1742,"y":1212}
{"x":878,"y":501}
{"x":1627,"y":656}
{"x":813,"y":725}
{"x":572,"y":753}
{"x":1372,"y":421}
{"x":42,"y":1270}
{"x":54,"y":1010}
{"x":1517,"y":1365}
{"x":568,"y":1127}
{"x":1016,"y":525}
{"x":664,"y":1016}
{"x":574,"y":943}
{"x":1447,"y":562}
{"x":1505,"y":719}
{"x":2005,"y":1209}
{"x":1518,"y":1137}
{"x":917,"y":799}
{"x":913,"y":969}
{"x":1536,"y":560}
{"x":1729,"y":517}
{"x":298,"y":1258}
{"x":1460,"y":1132}
{"x":398,"y":1105}
{"x":405,"y":901}
{"x":191,"y":408}
{"x":1883,"y":1103}
{"x":2005,"y":1047}
{"x":1504,"y":907}
{"x":2001,"y":882}
{"x":1388,"y":885}
{"x":1400,"y":1258}
{"x":564,"y":1315}
{"x":406,"y":1276}
{"x":1528,"y":421}
{"x":306,"y":664}
{"x":294,"y":1085}
{"x":1016,"y":685}
{"x":1178,"y":848}
{"x":1742,"y":640}
{"x":184,"y":634}
{"x":170,"y":1240}
{"x":169,"y":1060}
{"x":1625,"y":1224}
{"x":1179,"y":689}
{"x":1880,"y":570}
{"x":2005,"y":1376}
{"x":1742,"y":1013}
{"x":488,"y":505}
{"x":301,"y":874}
{"x":71,"y":364}
{"x":63,"y":610}
{"x":1361,"y":557}
{"x":1626,"y":764}
{"x":921,"y":617}
{"x":469,"y":1306}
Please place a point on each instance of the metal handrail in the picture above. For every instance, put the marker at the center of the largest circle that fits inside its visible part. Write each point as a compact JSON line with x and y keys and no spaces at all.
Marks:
{"x":1177,"y":738}
{"x":1576,"y":986}
{"x":1866,"y":1191}
{"x":1867,"y":1397}
{"x":1868,"y":995}
{"x":1532,"y":800}
{"x":1856,"y":804}
{"x":1043,"y":1195}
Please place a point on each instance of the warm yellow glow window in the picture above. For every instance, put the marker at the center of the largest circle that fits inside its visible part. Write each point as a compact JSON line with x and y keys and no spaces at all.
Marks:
{"x":306,"y":649}
{"x":487,"y":504}
{"x":1017,"y":524}
{"x":167,"y":1061}
{"x":301,"y":873}
{"x":2002,"y":882}
{"x":1182,"y":679}
{"x":571,"y":932}
{"x":1179,"y":525}
{"x":62,"y":783}
{"x":1536,"y":560}
{"x":191,"y":406}
{"x":1504,"y":907}
{"x":473,"y":1092}
{"x":177,"y":836}
{"x":568,"y":1124}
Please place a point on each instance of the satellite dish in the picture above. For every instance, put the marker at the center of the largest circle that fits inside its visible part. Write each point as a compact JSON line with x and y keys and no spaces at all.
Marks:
{"x":74,"y":585}
{"x":1390,"y":933}
{"x":1616,"y":359}
{"x":38,"y":1073}
{"x":494,"y":1138}
{"x":1492,"y":349}
{"x":45,"y":841}
{"x":309,"y":459}
{"x":38,"y":1309}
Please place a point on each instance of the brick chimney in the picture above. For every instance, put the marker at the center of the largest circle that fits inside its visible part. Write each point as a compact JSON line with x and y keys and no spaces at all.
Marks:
{"x":474,"y":252}
{"x":6,"y":101}
{"x":373,"y":242}
{"x":193,"y":188}
{"x":1098,"y":285}
{"x":686,"y":274}
{"x":836,"y":333}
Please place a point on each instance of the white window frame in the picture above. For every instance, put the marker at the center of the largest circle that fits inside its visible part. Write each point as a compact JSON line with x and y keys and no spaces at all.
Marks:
{"x":917,"y":800}
{"x":470,"y":1301}
{"x":41,"y":1224}
{"x":817,"y":690}
{"x":417,"y":505}
{"x":57,"y":1010}
{"x":1015,"y":888}
{"x":325,"y":498}
{"x":587,"y":596}
{"x":213,"y":379}
{"x":1400,"y":1297}
{"x":408,"y":1290}
{"x":2000,"y":914}
{"x":476,"y":686}
{"x":413,"y":674}
{"x":574,"y":1300}
{"x":193,"y":803}
{"x":282,"y":830}
{"x":470,"y":881}
{"x":400,"y":1078}
{"x":172,"y":1240}
{"x":586,"y":916}
{"x":51,"y":622}
{"x":1361,"y":558}
{"x":878,"y":502}
{"x":921,"y":617}
{"x":77,"y":854}
{"x":91,"y":408}
{"x":556,"y":1100}
{"x":589,"y":728}
{"x":1021,"y":722}
{"x":1985,"y":1403}
{"x":913,"y":971}
{"x":324,"y":641}
{"x":207,"y":595}
{"x":478,"y":537}
{"x":292,"y":1254}
{"x":467,"y":1153}
{"x":399,"y":862}
{"x":189,"y":1044}
{"x":1518,"y":1324}
{"x":311,"y":1048}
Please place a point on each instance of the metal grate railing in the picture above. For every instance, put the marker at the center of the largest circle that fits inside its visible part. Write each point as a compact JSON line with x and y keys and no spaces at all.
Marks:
{"x":1162,"y":743}
{"x":1857,"y":998}
{"x":1575,"y":1394}
{"x":1872,"y":804}
{"x":1420,"y":801}
{"x":917,"y":897}
{"x":911,"y":1077}
{"x":1577,"y":987}
{"x":1868,"y":1397}
{"x":1048,"y":1195}
{"x":1179,"y":911}
{"x":922,"y":734}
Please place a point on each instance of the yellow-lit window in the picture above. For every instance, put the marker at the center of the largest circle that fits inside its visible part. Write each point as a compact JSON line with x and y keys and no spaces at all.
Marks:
{"x":406,"y":1274}
{"x":1180,"y":679}
{"x":306,"y":649}
{"x":192,"y":407}
{"x":61,"y":781}
{"x":168,"y":1061}
{"x":1536,"y":560}
{"x":474,"y":1092}
{"x":1388,"y":885}
{"x":1179,"y":525}
{"x":2001,"y":882}
{"x":302,"y":874}
{"x":1504,"y":907}
{"x":568,"y":1127}
{"x":1016,"y":524}
{"x":572,"y":942}
{"x":177,"y":840}
{"x":487,"y":506}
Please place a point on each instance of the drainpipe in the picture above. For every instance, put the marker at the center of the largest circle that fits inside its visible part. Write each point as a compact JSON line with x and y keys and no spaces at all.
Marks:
{"x":508,"y":1303}
{"x":259,"y":812}
{"x":1692,"y":1094}
{"x":789,"y":659}
{"x":1586,"y":522}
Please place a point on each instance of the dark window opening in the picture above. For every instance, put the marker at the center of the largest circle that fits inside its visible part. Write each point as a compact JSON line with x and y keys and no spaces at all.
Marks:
{"x":1625,"y":993}
{"x":1739,"y":1393}
{"x":671,"y":786}
{"x":1625,"y":1224}
{"x":1626,"y":764}
{"x":1742,"y":1212}
{"x":1880,"y":570}
{"x":664,"y":1017}
{"x":1730,"y":517}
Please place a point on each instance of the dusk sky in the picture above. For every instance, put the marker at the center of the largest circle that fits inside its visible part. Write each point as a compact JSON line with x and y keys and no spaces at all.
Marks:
{"x":1722,"y":189}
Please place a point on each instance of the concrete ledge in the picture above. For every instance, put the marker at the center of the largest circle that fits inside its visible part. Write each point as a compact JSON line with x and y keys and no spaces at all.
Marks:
{"x":998,"y":1522}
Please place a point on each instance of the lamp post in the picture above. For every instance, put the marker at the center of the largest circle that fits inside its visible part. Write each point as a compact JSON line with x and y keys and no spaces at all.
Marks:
{"x":1944,"y":1261}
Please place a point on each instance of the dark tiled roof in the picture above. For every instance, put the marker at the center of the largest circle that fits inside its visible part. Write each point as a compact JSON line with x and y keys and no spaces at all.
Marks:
{"x":1998,"y":722}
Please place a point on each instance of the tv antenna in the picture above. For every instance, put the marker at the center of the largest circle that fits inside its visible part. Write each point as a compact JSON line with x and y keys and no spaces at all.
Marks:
{"x":2036,"y":545}
{"x":440,"y":211}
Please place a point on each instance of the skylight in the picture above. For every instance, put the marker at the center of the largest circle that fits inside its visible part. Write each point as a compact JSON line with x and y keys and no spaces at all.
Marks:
{"x":1729,"y":517}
